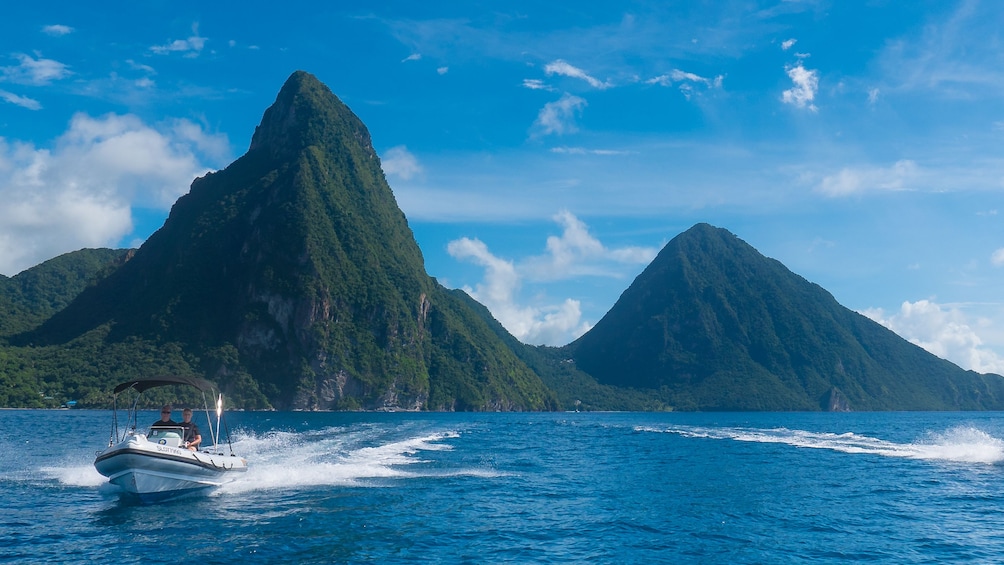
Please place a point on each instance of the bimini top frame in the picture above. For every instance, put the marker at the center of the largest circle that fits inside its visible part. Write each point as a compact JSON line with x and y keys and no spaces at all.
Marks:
{"x":142,"y":385}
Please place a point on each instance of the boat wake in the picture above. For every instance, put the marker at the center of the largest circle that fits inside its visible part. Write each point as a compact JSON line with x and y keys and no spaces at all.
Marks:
{"x":336,"y":456}
{"x":961,"y":444}
{"x":360,"y":456}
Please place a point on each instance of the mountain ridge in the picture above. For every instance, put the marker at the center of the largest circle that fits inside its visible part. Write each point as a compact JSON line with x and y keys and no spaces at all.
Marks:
{"x":293,"y":279}
{"x":295,"y":267}
{"x":719,"y":326}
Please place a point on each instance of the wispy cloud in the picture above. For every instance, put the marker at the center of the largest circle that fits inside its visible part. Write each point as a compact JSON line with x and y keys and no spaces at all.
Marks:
{"x":562,"y":68}
{"x":806,"y":83}
{"x":576,"y":252}
{"x":559,"y":117}
{"x":944,"y":331}
{"x":399,"y":162}
{"x":57,"y":30}
{"x":141,"y":67}
{"x":950,"y":56}
{"x":788,"y":44}
{"x":412,"y":57}
{"x":850,"y":180}
{"x":537,"y":84}
{"x":191,"y":47}
{"x":686,"y":81}
{"x":997,"y":258}
{"x":34,"y":71}
{"x":22,"y":101}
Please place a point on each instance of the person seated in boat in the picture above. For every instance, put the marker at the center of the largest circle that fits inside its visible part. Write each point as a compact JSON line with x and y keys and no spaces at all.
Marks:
{"x":192,"y":438}
{"x":165,"y":420}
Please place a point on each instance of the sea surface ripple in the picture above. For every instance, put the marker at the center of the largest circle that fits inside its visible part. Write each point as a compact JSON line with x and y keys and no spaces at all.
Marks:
{"x":527,"y":488}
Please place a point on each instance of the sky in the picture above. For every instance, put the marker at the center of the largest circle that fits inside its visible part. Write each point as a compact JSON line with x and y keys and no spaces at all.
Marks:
{"x":544,"y":152}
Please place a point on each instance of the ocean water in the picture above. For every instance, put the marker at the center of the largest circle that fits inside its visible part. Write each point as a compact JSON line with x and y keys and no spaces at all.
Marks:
{"x":527,"y":488}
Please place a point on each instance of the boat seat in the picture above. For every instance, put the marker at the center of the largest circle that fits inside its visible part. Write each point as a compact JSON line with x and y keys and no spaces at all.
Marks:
{"x":165,"y":436}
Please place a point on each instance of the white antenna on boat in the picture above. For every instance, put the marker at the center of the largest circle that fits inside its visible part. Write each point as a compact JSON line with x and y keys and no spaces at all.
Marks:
{"x":219,"y":415}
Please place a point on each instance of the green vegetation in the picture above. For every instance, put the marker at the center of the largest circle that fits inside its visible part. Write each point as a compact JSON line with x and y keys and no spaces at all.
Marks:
{"x":713,"y":325}
{"x":29,"y":298}
{"x":292,"y":279}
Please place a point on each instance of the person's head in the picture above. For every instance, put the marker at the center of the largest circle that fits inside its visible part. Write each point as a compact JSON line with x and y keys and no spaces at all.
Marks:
{"x":186,"y":414}
{"x":165,"y":412}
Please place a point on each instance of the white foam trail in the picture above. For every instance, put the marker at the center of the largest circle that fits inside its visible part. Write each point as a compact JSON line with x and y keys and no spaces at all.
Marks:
{"x":79,"y":476}
{"x":960,"y":444}
{"x":281,"y":460}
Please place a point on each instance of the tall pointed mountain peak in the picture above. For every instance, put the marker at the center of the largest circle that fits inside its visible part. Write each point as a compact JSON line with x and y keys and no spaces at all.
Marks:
{"x":292,"y":275}
{"x":306,"y":113}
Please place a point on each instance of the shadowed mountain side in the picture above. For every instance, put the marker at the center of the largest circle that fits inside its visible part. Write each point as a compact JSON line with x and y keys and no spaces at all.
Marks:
{"x":32,"y":296}
{"x":293,"y":279}
{"x":296,"y":266}
{"x":573,"y":389}
{"x":712,"y":324}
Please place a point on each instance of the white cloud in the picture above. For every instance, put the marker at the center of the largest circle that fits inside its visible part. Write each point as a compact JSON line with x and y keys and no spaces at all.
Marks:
{"x":22,"y":101}
{"x":852,"y":181}
{"x":401,"y":163}
{"x":574,"y":253}
{"x":562,"y":68}
{"x":945,"y":332}
{"x":788,"y":43}
{"x":191,"y":47}
{"x":546,"y":324}
{"x":948,"y":55}
{"x":57,"y":30}
{"x":80,"y":192}
{"x":412,"y":57}
{"x":443,"y":70}
{"x":35,"y":72}
{"x":686,"y":81}
{"x":559,"y":117}
{"x":997,"y":258}
{"x":141,"y":67}
{"x":806,"y":83}
{"x":536,"y":84}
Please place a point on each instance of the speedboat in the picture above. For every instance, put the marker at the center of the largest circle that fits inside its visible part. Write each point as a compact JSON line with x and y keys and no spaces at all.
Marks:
{"x":154,"y":464}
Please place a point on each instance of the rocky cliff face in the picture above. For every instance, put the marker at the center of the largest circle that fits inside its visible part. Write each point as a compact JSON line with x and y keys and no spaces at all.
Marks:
{"x":296,"y":266}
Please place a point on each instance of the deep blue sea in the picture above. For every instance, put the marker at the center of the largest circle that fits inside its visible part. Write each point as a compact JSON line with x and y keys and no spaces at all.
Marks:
{"x":527,"y":488}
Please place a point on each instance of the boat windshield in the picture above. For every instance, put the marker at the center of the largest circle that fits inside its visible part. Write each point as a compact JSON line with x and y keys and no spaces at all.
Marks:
{"x":158,"y":432}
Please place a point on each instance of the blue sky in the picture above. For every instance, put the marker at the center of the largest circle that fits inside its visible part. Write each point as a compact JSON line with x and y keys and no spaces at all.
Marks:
{"x":543,"y":152}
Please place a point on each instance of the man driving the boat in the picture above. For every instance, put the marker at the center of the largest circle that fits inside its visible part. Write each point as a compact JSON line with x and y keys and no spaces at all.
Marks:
{"x":165,"y":420}
{"x":192,"y":437}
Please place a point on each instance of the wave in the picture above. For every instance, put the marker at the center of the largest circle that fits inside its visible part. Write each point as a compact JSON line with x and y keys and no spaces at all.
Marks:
{"x":330,"y":456}
{"x":960,"y":444}
{"x":333,"y":456}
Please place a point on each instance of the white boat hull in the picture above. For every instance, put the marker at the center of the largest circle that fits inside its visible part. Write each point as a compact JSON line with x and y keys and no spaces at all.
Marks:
{"x":156,"y":471}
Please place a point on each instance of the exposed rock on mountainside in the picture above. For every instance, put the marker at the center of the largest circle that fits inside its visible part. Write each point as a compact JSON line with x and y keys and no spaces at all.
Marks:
{"x":293,"y":279}
{"x":295,"y":266}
